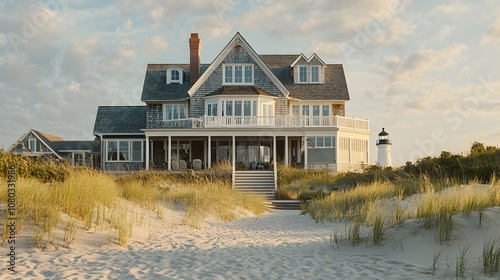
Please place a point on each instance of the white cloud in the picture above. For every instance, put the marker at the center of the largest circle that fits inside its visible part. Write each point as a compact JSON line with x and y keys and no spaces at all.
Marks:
{"x":451,"y":9}
{"x":155,"y":46}
{"x":211,"y":27}
{"x":492,"y":34}
{"x":422,"y":62}
{"x":128,"y":24}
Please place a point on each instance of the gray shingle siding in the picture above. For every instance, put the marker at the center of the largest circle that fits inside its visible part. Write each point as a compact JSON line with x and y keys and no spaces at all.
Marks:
{"x":214,"y":82}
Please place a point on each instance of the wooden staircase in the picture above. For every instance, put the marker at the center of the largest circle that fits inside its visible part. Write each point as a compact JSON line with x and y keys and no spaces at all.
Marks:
{"x":260,"y":182}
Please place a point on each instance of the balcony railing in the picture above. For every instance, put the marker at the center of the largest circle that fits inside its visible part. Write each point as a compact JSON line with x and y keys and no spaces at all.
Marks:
{"x":267,"y":121}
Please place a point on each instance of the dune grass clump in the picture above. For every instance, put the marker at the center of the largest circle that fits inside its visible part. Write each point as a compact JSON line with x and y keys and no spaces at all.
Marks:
{"x":213,"y":198}
{"x":491,"y":256}
{"x":337,"y":205}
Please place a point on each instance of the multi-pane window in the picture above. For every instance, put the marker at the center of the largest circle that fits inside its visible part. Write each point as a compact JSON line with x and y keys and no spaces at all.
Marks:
{"x":305,"y":110}
{"x":174,"y":111}
{"x":228,"y":74}
{"x":174,"y":75}
{"x":229,"y":108}
{"x":295,"y":110}
{"x":326,"y":110}
{"x":124,"y":150}
{"x":246,"y":108}
{"x":212,"y":109}
{"x":237,"y":108}
{"x":316,"y":110}
{"x":321,"y":142}
{"x":303,"y":74}
{"x":315,"y":74}
{"x":248,"y":74}
{"x":238,"y":74}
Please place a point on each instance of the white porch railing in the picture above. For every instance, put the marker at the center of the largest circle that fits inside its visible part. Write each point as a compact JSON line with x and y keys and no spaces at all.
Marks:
{"x":284,"y":121}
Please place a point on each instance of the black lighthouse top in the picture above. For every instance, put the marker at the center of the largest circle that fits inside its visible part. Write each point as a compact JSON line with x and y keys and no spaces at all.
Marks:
{"x":383,"y":138}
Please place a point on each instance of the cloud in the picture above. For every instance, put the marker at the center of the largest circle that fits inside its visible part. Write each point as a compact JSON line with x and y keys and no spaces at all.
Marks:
{"x":492,"y":34}
{"x":120,"y":58}
{"x":128,"y":24}
{"x":155,"y":46}
{"x":79,"y":55}
{"x":422,"y":62}
{"x":212,"y":27}
{"x":451,"y":9}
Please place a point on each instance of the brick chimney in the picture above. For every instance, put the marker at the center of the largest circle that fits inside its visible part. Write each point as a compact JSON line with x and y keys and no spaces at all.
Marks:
{"x":194,"y":53}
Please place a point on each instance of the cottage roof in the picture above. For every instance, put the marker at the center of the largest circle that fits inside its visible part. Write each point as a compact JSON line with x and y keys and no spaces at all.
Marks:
{"x":155,"y":83}
{"x":334,"y":87}
{"x":120,"y":120}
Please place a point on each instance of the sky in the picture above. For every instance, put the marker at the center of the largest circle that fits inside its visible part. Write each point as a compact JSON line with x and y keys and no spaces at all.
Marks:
{"x":426,"y":71}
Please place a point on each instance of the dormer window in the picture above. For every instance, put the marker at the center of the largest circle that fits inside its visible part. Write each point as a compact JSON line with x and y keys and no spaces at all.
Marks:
{"x":238,"y":74}
{"x":315,"y":74}
{"x":174,"y":75}
{"x":303,"y":74}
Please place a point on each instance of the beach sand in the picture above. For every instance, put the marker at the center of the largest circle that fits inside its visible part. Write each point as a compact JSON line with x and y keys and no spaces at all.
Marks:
{"x":277,"y":245}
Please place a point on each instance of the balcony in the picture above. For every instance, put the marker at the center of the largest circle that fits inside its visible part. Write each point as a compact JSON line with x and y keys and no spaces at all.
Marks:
{"x":267,"y":122}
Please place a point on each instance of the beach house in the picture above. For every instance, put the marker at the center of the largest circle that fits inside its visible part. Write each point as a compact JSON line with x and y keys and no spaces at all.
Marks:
{"x":252,"y":110}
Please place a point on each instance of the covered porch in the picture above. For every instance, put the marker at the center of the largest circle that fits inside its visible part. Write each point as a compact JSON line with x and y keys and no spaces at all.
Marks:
{"x":243,"y":152}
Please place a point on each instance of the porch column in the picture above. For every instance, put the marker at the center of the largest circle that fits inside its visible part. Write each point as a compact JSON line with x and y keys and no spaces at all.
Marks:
{"x":169,"y":152}
{"x":209,"y":152}
{"x":234,"y":157}
{"x":305,"y":152}
{"x":275,"y":159}
{"x":147,"y":152}
{"x":286,"y":150}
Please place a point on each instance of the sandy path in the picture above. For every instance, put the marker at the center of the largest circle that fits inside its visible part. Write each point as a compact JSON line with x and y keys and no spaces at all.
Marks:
{"x":278,"y":245}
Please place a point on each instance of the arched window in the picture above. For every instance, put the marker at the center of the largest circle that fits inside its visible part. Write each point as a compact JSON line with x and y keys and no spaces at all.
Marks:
{"x":174,"y":75}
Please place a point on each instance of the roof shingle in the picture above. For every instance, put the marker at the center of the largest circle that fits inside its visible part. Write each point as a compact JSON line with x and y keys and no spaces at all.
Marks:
{"x":120,"y":119}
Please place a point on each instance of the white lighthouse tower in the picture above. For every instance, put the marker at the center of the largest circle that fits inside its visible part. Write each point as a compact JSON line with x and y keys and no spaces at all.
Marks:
{"x":384,"y":149}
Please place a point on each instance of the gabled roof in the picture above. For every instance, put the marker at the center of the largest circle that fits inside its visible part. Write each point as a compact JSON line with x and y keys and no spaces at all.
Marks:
{"x":120,"y":120}
{"x":333,"y":88}
{"x":45,"y":139}
{"x":155,"y":83}
{"x":237,"y":40}
{"x":239,"y":90}
{"x":313,"y":56}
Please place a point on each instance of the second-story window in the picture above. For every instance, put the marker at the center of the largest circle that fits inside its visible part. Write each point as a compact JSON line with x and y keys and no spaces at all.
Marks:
{"x":315,"y":74}
{"x":239,"y":74}
{"x":303,"y":74}
{"x":173,"y":112}
{"x":174,"y":76}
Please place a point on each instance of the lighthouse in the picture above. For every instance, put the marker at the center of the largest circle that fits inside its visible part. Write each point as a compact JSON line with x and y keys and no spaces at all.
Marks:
{"x":384,"y":149}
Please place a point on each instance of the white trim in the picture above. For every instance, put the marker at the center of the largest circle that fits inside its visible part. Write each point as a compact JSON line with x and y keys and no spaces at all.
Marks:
{"x":169,"y":75}
{"x":184,"y":111}
{"x":75,"y":151}
{"x":237,"y":40}
{"x":308,"y":60}
{"x":36,"y":135}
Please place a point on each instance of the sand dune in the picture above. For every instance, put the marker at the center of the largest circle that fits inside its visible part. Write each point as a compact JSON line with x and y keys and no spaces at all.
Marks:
{"x":277,"y":245}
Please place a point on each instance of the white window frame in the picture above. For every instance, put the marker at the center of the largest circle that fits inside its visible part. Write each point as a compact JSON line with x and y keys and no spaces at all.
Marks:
{"x":313,"y":140}
{"x":30,"y":145}
{"x":300,"y":76}
{"x":181,"y":116}
{"x":319,"y":73}
{"x":129,"y":152}
{"x":233,"y":74}
{"x":74,"y":154}
{"x":169,"y":75}
{"x":209,"y":108}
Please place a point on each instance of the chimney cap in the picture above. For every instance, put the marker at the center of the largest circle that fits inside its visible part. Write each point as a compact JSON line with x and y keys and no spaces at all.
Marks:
{"x":194,"y":35}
